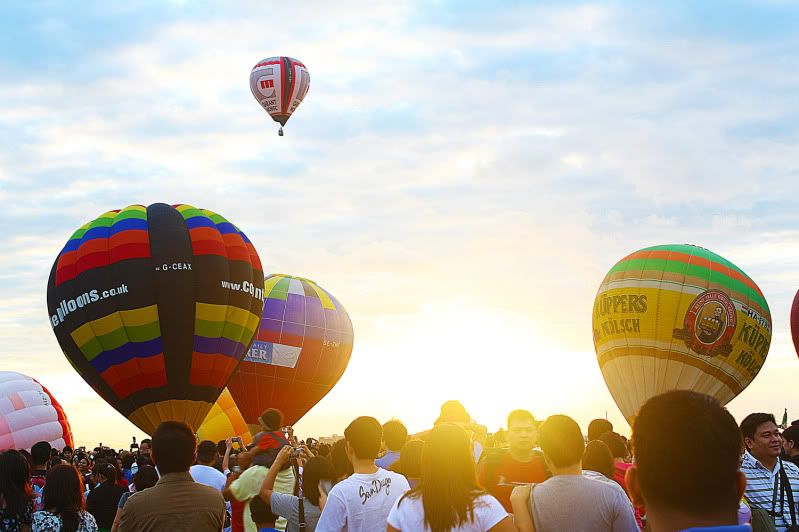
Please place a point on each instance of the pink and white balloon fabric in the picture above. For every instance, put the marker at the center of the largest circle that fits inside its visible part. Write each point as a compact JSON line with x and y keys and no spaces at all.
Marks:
{"x":29,"y":414}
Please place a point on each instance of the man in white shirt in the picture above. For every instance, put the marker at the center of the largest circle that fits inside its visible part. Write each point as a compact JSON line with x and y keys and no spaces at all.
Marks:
{"x":204,"y":471}
{"x":363,"y":501}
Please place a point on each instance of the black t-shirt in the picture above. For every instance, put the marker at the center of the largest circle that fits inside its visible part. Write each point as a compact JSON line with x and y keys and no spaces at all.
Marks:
{"x":103,"y":502}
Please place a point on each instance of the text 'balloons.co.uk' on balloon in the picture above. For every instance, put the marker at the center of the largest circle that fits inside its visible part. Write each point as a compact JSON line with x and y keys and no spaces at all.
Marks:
{"x":279,"y":85}
{"x":29,"y":414}
{"x":678,"y":317}
{"x":301,"y":349}
{"x":154,"y":307}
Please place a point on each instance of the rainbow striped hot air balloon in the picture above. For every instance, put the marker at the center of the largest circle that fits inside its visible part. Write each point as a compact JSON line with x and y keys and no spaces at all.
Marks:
{"x":678,"y":317}
{"x":155,"y":307}
{"x":301,"y":350}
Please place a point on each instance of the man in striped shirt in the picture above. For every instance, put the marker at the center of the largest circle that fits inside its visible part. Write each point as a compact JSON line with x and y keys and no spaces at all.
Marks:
{"x":765,"y":488}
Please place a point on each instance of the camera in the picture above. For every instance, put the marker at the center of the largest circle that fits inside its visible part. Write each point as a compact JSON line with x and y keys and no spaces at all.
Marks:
{"x":295,"y":452}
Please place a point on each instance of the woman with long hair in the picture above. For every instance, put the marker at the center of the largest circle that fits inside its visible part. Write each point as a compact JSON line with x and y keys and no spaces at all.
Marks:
{"x":448,"y":496}
{"x":16,"y":494}
{"x":146,"y":477}
{"x":103,"y":500}
{"x":64,"y":509}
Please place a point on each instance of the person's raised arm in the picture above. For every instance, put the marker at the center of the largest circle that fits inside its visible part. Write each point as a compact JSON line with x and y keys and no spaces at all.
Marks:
{"x":269,"y":482}
{"x":521,"y":514}
{"x":226,"y":458}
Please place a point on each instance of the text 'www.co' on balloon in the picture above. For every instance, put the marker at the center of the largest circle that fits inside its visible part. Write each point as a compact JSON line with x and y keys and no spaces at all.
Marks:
{"x":154,"y":307}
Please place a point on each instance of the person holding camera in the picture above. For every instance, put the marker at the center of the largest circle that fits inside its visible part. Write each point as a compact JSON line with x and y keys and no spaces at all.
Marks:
{"x":318,"y":477}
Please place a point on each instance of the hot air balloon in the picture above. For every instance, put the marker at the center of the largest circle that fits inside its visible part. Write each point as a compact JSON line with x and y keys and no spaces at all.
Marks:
{"x":155,"y":307}
{"x":279,"y":84}
{"x":223,"y":421}
{"x":30,"y":414}
{"x":795,"y":322}
{"x":301,"y":350}
{"x":678,"y":317}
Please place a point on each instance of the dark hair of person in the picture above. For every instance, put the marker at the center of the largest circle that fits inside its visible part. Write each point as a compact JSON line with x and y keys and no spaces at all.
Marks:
{"x":316,"y":469}
{"x":66,"y":449}
{"x":145,"y":477}
{"x":687,"y":448}
{"x":598,"y":427}
{"x":63,"y":496}
{"x":148,"y":441}
{"x":597,"y":457}
{"x":520,"y":415}
{"x":107,"y":470}
{"x":260,"y":512}
{"x":752,"y":421}
{"x":221,"y":447}
{"x":410,"y":461}
{"x":324,"y":450}
{"x":15,"y":482}
{"x":561,"y":440}
{"x":127,"y":461}
{"x":338,"y":457}
{"x":173,"y":447}
{"x":25,"y":454}
{"x":615,"y":443}
{"x":40,"y":453}
{"x":394,"y":434}
{"x":792,"y":434}
{"x":272,"y":419}
{"x":448,"y":487}
{"x":364,"y":436}
{"x":206,"y":451}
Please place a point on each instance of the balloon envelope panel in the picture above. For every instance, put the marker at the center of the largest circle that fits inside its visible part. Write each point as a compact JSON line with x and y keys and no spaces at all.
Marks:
{"x":302,"y":348}
{"x":678,"y":317}
{"x":29,"y":414}
{"x":154,"y":307}
{"x":279,"y":85}
{"x":223,"y":421}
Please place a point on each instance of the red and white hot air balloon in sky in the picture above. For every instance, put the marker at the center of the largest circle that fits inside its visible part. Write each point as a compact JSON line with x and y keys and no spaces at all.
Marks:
{"x":279,"y":85}
{"x":30,"y":414}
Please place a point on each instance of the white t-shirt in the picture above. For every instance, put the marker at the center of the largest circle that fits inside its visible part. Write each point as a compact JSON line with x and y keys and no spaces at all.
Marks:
{"x":203,"y":474}
{"x":408,"y":515}
{"x":362,"y":502}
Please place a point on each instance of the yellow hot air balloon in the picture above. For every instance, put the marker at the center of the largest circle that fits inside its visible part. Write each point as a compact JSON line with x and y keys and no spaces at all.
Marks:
{"x":678,"y":317}
{"x":224,"y":420}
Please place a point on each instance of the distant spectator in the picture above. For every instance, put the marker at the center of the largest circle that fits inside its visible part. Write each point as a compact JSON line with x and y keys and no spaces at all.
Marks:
{"x":176,"y":502}
{"x":16,"y":496}
{"x":103,"y":500}
{"x":40,"y":455}
{"x":686,"y":449}
{"x":204,"y":471}
{"x":569,"y":500}
{"x":324,"y":450}
{"x":394,"y":435}
{"x":410,"y":462}
{"x":341,"y":463}
{"x":599,"y":459}
{"x":448,"y":497}
{"x":790,"y":443}
{"x":63,"y":504}
{"x":598,"y":427}
{"x":347,"y":507}
{"x":146,"y":477}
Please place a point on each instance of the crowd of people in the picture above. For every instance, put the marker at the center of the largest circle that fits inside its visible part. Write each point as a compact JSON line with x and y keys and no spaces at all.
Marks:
{"x":688,"y":466}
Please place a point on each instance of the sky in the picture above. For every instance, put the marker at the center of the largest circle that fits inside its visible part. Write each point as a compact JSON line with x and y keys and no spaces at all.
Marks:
{"x":461,"y":176}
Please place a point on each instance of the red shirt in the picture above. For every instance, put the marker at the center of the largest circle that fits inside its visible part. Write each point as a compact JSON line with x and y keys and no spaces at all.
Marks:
{"x":509,"y":472}
{"x":237,"y":515}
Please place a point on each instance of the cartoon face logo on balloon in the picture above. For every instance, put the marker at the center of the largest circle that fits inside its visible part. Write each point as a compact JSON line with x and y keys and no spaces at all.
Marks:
{"x":155,"y":307}
{"x":678,"y":317}
{"x":301,"y":350}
